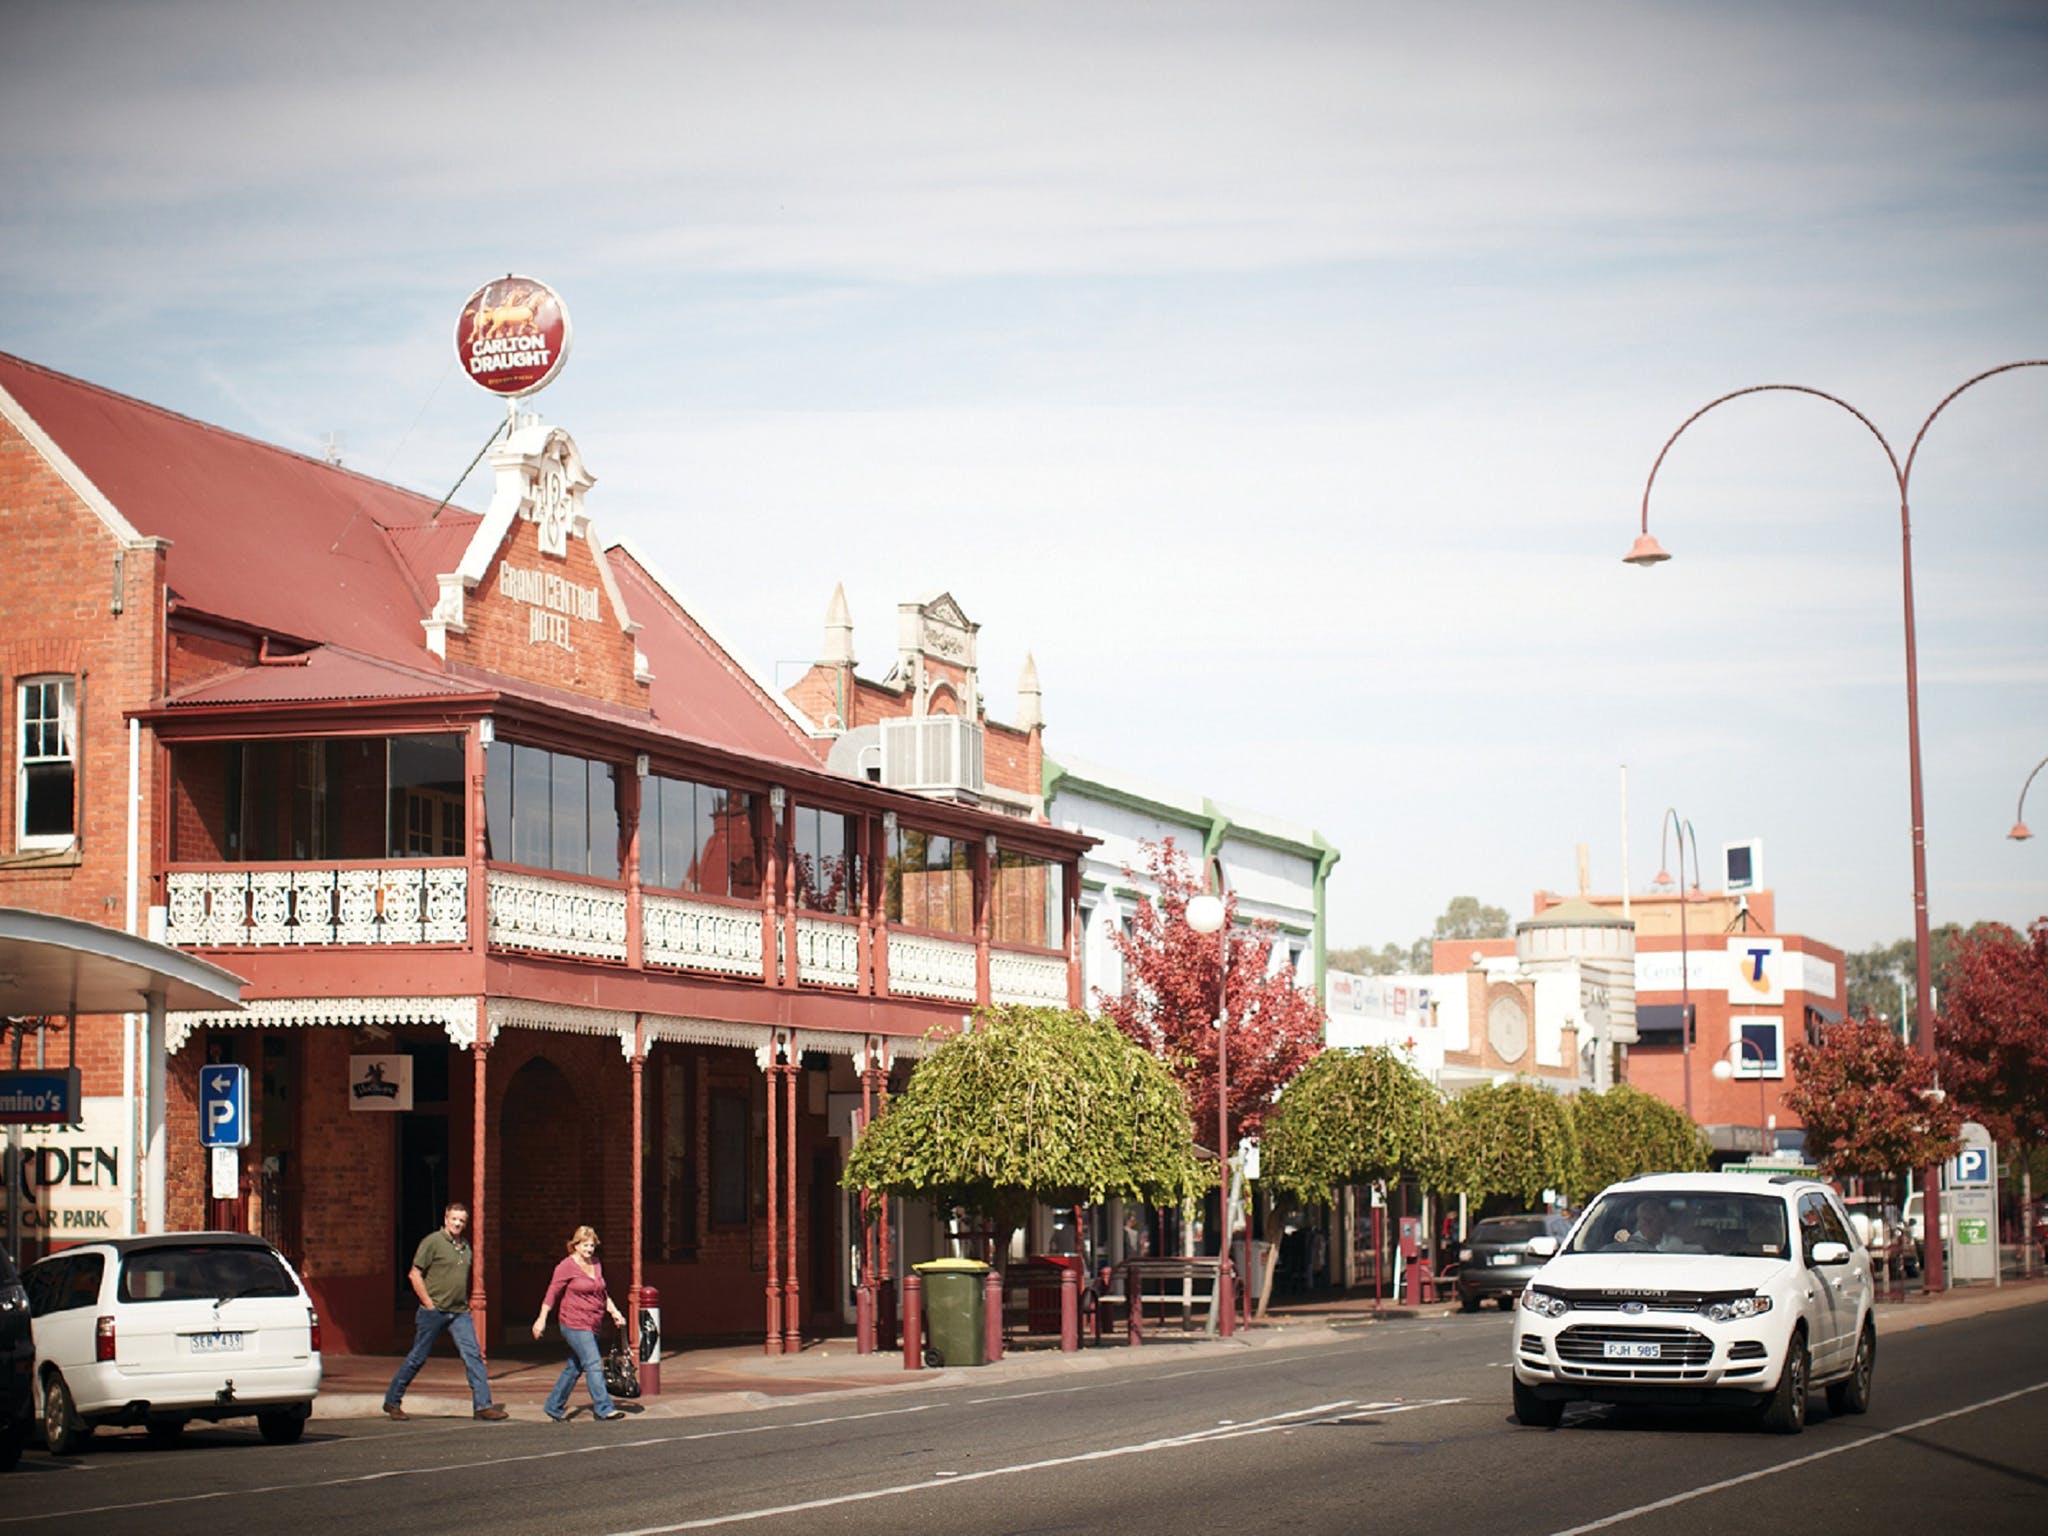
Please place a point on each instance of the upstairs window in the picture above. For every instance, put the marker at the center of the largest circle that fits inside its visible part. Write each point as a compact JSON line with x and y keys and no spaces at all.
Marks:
{"x":1029,"y":906}
{"x":700,"y":838}
{"x":47,"y":779}
{"x":827,"y":868}
{"x":549,"y":810}
{"x":929,"y":882}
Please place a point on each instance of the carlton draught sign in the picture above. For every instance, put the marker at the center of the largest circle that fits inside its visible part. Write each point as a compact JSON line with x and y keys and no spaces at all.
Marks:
{"x":513,"y":335}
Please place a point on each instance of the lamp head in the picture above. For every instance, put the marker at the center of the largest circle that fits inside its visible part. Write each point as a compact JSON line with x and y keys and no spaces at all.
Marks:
{"x":1724,"y":1069}
{"x":1205,"y":913}
{"x":1663,"y":878}
{"x":2019,"y":832}
{"x":1646,"y":551}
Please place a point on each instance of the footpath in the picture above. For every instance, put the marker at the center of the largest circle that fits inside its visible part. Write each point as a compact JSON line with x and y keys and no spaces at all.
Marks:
{"x":736,"y":1377}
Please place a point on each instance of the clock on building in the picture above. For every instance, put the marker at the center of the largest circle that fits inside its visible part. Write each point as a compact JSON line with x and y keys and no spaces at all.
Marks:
{"x":1507,"y":1028}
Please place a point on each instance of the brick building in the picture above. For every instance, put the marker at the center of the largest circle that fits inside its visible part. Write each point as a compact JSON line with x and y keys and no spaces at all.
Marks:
{"x":543,"y":900}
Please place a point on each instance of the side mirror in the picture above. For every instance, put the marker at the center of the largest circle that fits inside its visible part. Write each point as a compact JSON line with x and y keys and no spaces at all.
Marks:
{"x":1542,"y":1247}
{"x":1830,"y":1253}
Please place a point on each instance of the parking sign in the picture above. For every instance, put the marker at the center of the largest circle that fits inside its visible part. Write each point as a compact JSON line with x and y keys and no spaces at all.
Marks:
{"x":223,"y":1105}
{"x":1972,"y":1166}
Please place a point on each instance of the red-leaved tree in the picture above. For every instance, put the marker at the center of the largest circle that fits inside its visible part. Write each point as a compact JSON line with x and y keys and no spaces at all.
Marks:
{"x":1992,"y":1033}
{"x":1169,"y":999}
{"x":1869,"y":1103}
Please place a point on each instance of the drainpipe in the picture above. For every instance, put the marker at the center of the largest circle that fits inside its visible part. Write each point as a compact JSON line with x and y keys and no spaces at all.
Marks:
{"x":1326,"y":860}
{"x":133,"y":1110}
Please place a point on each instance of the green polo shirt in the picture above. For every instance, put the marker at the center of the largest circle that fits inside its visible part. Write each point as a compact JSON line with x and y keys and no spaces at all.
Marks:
{"x":443,"y":1263}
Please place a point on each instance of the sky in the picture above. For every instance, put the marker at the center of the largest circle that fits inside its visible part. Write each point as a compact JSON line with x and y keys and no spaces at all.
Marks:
{"x":1283,"y":378}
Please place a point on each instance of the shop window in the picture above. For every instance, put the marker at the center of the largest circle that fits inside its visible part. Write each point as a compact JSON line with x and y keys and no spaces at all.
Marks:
{"x":47,"y":767}
{"x":550,"y":810}
{"x":700,"y":838}
{"x":670,"y":1176}
{"x":731,"y":1160}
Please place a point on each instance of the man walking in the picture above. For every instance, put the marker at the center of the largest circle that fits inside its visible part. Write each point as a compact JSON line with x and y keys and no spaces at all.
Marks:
{"x":440,"y":1278}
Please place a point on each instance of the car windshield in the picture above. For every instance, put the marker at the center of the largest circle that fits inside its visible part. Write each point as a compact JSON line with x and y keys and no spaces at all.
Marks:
{"x":203,"y":1273}
{"x":1684,"y":1221}
{"x":1509,"y":1229}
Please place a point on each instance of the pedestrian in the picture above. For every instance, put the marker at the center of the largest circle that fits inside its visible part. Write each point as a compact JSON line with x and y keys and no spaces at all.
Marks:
{"x":578,"y":1285}
{"x":440,"y":1278}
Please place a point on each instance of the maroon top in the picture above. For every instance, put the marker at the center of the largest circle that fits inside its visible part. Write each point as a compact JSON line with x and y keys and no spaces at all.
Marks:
{"x":582,"y":1296}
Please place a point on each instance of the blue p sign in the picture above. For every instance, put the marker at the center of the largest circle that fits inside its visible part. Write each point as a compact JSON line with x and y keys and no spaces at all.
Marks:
{"x":223,"y":1105}
{"x":1972,"y":1166}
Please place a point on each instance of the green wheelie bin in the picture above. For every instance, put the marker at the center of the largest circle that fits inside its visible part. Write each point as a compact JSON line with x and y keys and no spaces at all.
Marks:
{"x":955,"y":1317}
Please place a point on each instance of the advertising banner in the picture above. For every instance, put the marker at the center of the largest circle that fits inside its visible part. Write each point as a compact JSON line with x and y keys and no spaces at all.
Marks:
{"x":380,"y":1083}
{"x":513,"y":336}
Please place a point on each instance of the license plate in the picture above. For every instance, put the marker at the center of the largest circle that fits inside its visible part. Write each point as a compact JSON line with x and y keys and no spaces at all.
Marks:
{"x":1629,"y":1351}
{"x":1503,"y":1258}
{"x":215,"y":1343}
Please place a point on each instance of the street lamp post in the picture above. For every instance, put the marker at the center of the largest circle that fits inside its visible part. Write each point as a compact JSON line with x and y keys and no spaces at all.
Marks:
{"x":1205,"y":914}
{"x":1724,"y":1071}
{"x":1672,"y":821}
{"x":1647,"y":552}
{"x":2019,"y":832}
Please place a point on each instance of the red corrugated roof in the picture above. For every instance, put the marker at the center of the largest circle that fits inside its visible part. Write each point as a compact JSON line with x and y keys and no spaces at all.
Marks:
{"x":273,"y":539}
{"x":699,"y":691}
{"x":325,"y":675}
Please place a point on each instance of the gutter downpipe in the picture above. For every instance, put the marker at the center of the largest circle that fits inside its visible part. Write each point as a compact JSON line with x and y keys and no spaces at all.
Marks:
{"x":132,"y":1110}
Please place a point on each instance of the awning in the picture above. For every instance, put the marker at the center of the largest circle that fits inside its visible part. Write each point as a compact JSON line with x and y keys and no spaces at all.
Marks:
{"x":59,"y":965}
{"x":1824,"y":1015}
{"x":1663,"y":1023}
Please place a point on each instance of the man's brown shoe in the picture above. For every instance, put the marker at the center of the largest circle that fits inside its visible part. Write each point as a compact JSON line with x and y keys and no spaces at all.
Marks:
{"x":492,"y":1412}
{"x":393,"y":1411}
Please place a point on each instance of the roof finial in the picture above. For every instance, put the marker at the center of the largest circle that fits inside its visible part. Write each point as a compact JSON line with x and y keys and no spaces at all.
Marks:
{"x":1030,"y":706}
{"x":838,"y":650}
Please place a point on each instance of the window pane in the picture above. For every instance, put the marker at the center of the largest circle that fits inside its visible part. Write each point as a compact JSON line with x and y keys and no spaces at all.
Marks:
{"x":498,"y":802}
{"x":737,"y":820}
{"x":531,"y":796}
{"x":603,"y":823}
{"x":426,"y":774}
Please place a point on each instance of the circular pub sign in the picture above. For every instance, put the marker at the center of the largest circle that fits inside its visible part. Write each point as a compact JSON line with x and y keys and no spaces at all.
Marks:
{"x":513,"y":335}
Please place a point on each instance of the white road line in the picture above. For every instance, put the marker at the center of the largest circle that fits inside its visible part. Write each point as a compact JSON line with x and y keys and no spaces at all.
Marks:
{"x":1800,"y":1461}
{"x":603,"y":1447}
{"x":1299,"y":1418}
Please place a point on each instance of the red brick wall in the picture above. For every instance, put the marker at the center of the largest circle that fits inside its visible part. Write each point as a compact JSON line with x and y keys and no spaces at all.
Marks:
{"x":499,"y":629}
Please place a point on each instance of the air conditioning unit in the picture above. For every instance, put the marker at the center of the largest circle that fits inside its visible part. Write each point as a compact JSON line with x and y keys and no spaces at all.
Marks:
{"x":939,"y":754}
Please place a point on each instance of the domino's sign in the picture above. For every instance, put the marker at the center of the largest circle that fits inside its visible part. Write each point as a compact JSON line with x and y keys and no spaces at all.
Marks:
{"x":223,"y":1105}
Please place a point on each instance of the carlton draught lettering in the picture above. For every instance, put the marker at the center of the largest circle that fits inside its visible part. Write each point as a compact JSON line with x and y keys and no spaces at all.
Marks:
{"x":513,"y":335}
{"x":503,"y":352}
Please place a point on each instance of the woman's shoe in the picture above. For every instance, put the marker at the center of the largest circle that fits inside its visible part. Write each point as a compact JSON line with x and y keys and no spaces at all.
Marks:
{"x":616,"y":1413}
{"x":559,"y":1418}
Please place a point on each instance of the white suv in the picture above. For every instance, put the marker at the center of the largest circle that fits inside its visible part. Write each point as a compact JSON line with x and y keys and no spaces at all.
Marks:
{"x":160,"y":1330}
{"x":1701,"y":1288}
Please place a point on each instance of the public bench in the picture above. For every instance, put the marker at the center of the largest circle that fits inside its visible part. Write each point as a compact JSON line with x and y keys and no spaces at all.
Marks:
{"x":1133,"y":1275}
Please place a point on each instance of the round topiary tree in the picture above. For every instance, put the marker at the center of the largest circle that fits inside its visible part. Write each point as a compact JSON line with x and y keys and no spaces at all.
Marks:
{"x":1513,"y":1138}
{"x":1034,"y":1104}
{"x":1350,"y":1117}
{"x":1625,"y":1131}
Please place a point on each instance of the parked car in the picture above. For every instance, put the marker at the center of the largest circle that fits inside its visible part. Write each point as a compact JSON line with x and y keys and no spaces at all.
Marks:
{"x":17,"y":1366}
{"x":1495,"y":1261}
{"x":1738,"y":1289}
{"x":165,"y":1329}
{"x":1884,"y":1233}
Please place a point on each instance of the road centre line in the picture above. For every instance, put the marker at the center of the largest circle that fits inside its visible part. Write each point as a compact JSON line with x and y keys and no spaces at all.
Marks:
{"x":1300,"y":1418}
{"x":442,"y":1468}
{"x":1786,"y":1466}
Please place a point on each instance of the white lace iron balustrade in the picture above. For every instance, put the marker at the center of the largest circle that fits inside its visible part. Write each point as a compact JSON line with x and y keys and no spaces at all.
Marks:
{"x":353,"y":904}
{"x":700,"y":935}
{"x":827,"y":953}
{"x":1014,"y":978}
{"x":924,"y":967}
{"x":557,"y":917}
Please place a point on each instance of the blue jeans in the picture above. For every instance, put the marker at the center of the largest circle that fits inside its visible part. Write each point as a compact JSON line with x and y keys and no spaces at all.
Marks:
{"x":428,"y":1326}
{"x":584,"y":1361}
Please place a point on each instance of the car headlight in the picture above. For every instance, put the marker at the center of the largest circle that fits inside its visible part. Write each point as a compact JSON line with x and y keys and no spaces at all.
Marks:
{"x":1464,"y":1255}
{"x":1543,"y":1304}
{"x":1740,"y":1307}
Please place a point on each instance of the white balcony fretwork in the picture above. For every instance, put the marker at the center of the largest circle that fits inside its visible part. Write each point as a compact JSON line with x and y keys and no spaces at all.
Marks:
{"x":920,"y":966}
{"x":827,"y":953}
{"x":1028,"y":979}
{"x":348,"y":904}
{"x":556,"y":917}
{"x":700,"y":935}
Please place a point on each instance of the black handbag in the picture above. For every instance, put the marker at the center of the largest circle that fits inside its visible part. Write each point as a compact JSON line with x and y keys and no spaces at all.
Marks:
{"x":621,"y":1370}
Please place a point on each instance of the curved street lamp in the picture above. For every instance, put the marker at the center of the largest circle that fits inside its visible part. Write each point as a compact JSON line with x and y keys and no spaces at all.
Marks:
{"x":2019,"y":832}
{"x":1646,"y":552}
{"x":1205,"y":914}
{"x":1674,"y":822}
{"x":1724,"y":1071}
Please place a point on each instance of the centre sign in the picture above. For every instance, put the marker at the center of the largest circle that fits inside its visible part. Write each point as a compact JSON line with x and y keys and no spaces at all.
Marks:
{"x":513,"y":336}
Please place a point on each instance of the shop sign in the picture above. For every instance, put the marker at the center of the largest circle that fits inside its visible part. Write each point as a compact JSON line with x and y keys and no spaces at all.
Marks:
{"x":513,"y":336}
{"x":41,"y":1097}
{"x":551,"y":601}
{"x":1757,"y":969}
{"x":380,"y":1084}
{"x":73,"y":1181}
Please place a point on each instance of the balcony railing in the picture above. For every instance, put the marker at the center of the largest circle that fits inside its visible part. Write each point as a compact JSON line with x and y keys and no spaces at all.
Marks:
{"x":922,"y":966}
{"x":700,"y":935}
{"x":828,"y":951}
{"x":241,"y":905}
{"x":1027,"y":978}
{"x":557,"y":917}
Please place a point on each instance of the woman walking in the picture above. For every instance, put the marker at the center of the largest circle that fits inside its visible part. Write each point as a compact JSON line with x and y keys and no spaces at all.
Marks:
{"x":578,"y":1285}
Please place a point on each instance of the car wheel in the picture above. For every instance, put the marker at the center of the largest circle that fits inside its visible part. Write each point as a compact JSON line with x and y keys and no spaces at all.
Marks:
{"x":1852,"y":1394}
{"x":1784,"y":1412}
{"x":63,"y":1431}
{"x":1534,"y":1411}
{"x":1467,"y":1303}
{"x":164,"y":1432}
{"x":281,"y":1426}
